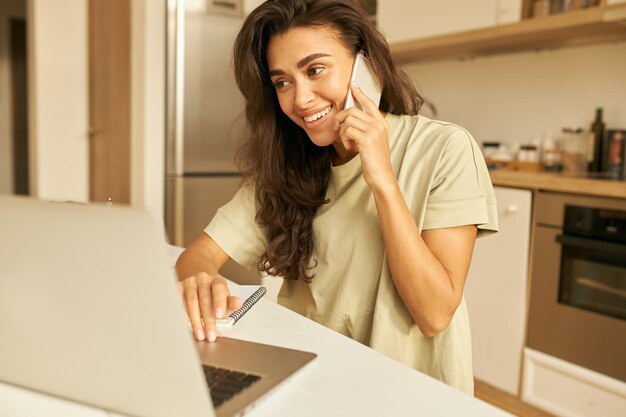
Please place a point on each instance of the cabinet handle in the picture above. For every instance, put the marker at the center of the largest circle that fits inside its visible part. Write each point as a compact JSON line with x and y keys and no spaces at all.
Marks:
{"x":592,"y":244}
{"x":511,"y":208}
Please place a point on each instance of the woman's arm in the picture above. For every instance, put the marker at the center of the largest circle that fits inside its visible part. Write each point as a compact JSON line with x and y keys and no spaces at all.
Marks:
{"x":428,"y":270}
{"x":205,"y":292}
{"x":202,"y":255}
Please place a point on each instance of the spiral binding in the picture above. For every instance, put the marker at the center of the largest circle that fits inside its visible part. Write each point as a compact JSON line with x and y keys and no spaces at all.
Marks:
{"x":256,"y":296}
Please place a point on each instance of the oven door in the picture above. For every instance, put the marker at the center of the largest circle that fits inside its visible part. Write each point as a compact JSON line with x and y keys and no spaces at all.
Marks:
{"x":593,"y":275}
{"x":577,"y":335}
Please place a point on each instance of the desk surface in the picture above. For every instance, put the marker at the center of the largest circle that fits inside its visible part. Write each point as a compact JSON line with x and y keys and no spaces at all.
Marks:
{"x":346,"y":379}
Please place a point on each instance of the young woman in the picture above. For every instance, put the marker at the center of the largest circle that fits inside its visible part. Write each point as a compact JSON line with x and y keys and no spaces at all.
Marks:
{"x":370,"y":215}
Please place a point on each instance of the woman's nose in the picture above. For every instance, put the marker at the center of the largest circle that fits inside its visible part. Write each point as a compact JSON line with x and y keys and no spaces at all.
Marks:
{"x":304,"y":95}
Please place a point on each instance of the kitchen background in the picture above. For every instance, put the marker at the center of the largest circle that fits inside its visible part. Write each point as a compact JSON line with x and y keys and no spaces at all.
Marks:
{"x":513,"y":98}
{"x":510,"y":97}
{"x":518,"y":98}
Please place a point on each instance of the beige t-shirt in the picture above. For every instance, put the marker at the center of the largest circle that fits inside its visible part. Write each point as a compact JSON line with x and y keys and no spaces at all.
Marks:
{"x":445,"y":183}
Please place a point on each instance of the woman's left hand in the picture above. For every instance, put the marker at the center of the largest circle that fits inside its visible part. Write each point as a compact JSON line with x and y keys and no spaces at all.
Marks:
{"x":366,"y":131}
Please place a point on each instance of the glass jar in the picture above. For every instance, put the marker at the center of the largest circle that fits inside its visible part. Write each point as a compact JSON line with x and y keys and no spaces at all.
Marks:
{"x":551,"y":155}
{"x":490,"y":149}
{"x":574,"y":143}
{"x":528,"y":153}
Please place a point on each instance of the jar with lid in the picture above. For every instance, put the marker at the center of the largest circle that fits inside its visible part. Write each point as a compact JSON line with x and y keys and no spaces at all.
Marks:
{"x":540,"y":8}
{"x":502,"y":154}
{"x":528,"y":153}
{"x":490,"y":149}
{"x":574,"y":143}
{"x":552,"y":156}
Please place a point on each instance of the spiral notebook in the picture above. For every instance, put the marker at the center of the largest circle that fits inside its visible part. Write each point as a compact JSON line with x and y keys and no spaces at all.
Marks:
{"x":114,"y":331}
{"x":242,"y":292}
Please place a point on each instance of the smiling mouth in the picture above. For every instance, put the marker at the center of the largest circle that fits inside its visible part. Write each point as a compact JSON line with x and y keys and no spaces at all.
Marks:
{"x":317,"y":116}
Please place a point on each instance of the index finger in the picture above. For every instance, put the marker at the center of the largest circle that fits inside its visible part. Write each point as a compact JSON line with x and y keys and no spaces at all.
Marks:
{"x":220,"y":293}
{"x":366,"y":103}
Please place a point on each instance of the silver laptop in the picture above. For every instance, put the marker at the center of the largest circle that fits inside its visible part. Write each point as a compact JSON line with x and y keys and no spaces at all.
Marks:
{"x":90,"y":311}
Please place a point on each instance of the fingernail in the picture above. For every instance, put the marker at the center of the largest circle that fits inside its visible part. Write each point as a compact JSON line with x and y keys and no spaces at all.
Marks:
{"x":219,"y":313}
{"x":212,"y":336}
{"x":199,"y":334}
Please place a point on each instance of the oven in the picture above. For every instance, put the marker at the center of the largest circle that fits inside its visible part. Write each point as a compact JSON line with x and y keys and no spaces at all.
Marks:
{"x":577,"y":306}
{"x":593,"y":260}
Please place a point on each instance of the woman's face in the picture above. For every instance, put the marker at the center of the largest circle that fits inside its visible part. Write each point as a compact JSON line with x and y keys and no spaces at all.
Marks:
{"x":310,"y":70}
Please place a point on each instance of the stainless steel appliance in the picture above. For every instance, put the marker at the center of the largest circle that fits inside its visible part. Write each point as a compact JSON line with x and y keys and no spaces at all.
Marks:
{"x":204,"y":119}
{"x":577,"y":306}
{"x":593,"y":260}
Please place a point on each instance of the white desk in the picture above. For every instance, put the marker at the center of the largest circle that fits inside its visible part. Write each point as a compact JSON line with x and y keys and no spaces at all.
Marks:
{"x":346,"y":379}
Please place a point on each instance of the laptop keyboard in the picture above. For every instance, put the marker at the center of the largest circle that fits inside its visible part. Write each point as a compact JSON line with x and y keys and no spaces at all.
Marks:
{"x":225,"y":383}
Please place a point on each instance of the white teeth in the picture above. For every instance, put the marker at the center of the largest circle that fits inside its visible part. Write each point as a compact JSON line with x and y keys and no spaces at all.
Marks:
{"x":317,"y":116}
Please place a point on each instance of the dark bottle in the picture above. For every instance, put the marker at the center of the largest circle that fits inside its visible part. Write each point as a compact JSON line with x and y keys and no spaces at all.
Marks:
{"x":595,"y":142}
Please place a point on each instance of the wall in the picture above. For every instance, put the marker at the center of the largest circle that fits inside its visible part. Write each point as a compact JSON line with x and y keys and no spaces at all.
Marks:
{"x":518,"y":97}
{"x":58,"y":99}
{"x":249,"y":5}
{"x":148,"y":105}
{"x":10,"y":9}
{"x":407,"y":20}
{"x":58,"y":108}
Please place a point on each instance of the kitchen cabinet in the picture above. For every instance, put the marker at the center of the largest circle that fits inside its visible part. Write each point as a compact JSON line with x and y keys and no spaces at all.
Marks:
{"x":573,"y":361}
{"x":564,"y":389}
{"x":495,"y":292}
{"x":601,"y":24}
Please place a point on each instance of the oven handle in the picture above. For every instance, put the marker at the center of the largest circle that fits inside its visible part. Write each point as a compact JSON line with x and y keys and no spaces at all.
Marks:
{"x":593,"y":244}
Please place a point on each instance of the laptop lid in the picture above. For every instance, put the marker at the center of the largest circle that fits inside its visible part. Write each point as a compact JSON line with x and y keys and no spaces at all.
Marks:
{"x":89,"y":310}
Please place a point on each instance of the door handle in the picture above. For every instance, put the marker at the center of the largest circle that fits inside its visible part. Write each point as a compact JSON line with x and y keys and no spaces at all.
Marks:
{"x":592,"y":244}
{"x":511,"y":208}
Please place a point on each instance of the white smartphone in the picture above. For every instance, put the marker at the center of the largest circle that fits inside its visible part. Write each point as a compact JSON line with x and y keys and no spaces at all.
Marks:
{"x":363,"y":76}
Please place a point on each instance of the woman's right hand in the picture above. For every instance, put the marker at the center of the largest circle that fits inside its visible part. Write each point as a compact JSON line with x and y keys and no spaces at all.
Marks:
{"x":207,"y":297}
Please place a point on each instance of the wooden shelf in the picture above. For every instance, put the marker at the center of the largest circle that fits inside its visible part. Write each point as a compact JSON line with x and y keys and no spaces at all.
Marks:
{"x":579,"y":27}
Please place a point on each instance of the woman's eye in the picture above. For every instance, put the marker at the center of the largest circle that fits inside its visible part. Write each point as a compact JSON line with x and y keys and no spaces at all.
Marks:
{"x":280,"y":84}
{"x":315,"y":70}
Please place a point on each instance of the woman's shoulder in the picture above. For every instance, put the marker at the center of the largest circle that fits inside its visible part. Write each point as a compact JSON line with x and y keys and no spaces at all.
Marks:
{"x":420,"y":129}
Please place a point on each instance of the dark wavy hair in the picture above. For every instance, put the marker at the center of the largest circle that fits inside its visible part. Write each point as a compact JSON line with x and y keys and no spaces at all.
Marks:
{"x":291,"y":173}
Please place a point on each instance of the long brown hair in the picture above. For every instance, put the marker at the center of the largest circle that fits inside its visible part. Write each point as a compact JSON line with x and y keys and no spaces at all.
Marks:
{"x":290,"y":173}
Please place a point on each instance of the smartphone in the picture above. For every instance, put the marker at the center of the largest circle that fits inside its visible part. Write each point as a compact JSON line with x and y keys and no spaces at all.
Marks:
{"x":364,"y":78}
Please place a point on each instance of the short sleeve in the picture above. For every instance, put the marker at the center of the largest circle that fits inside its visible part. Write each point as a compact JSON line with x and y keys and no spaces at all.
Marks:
{"x":461,"y":192}
{"x":235,"y":230}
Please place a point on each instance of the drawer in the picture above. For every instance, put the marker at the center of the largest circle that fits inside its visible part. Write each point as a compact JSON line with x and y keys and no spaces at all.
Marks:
{"x":564,"y":389}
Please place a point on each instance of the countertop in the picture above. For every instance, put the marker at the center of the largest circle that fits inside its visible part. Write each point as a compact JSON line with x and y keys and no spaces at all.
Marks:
{"x":559,"y":182}
{"x":346,"y":379}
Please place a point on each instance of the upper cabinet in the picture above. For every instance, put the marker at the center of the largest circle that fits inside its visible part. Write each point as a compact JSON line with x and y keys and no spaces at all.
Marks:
{"x":427,"y":30}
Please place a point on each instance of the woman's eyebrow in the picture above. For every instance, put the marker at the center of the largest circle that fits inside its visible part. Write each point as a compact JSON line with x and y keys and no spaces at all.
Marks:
{"x":310,"y":58}
{"x":300,"y":63}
